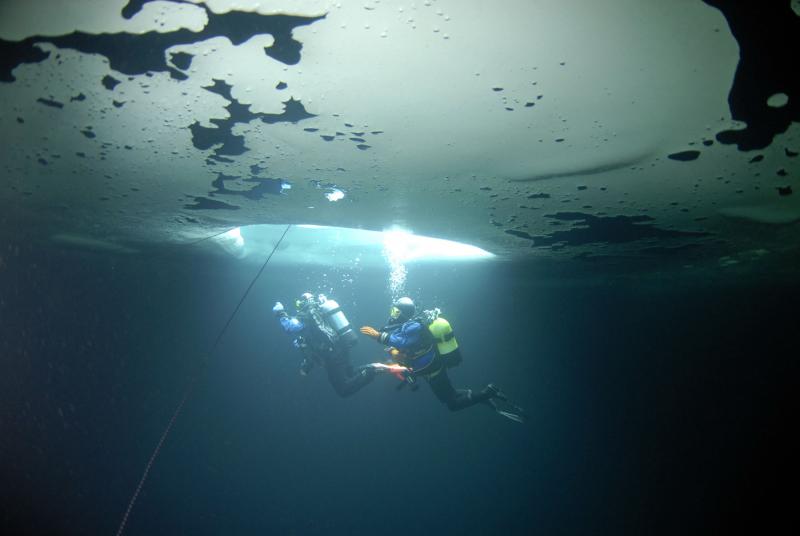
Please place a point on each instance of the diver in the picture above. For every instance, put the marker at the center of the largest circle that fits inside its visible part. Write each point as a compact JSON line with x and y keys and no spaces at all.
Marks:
{"x":323,"y":335}
{"x":425,"y":346}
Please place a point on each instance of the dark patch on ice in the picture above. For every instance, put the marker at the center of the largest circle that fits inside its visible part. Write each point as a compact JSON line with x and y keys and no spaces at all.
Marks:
{"x":281,"y":85}
{"x":12,"y":54}
{"x":221,"y":88}
{"x":109,"y":82}
{"x":327,"y":138}
{"x":262,"y":186}
{"x":80,"y":154}
{"x":293,"y":112}
{"x":135,"y":54}
{"x":132,"y":8}
{"x":221,"y":134}
{"x":539,"y":196}
{"x":757,"y":158}
{"x":684,"y":156}
{"x":520,"y":234}
{"x":42,"y":161}
{"x":311,"y":129}
{"x":204,"y":203}
{"x":781,"y":172}
{"x":767,"y":65}
{"x":50,"y":102}
{"x":590,"y":229}
{"x":784,"y":190}
{"x":88,"y":133}
{"x":118,"y":104}
{"x":79,"y":97}
{"x":177,"y":75}
{"x":666,"y":251}
{"x":363,"y":146}
{"x":602,"y":168}
{"x":221,"y":159}
{"x":206,"y":137}
{"x":708,"y":143}
{"x":360,"y":140}
{"x":530,"y":104}
{"x":789,"y":152}
{"x":181,"y":60}
{"x":20,"y":120}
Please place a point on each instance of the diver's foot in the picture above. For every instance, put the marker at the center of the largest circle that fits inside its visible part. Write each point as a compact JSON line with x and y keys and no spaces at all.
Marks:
{"x":493,"y":391}
{"x":500,"y":403}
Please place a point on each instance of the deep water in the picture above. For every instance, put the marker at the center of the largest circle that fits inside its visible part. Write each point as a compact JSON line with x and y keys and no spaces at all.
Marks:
{"x":655,"y":407}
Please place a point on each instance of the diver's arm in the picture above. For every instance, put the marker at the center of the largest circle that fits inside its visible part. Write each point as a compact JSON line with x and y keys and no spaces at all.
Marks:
{"x":290,"y":324}
{"x":405,"y":337}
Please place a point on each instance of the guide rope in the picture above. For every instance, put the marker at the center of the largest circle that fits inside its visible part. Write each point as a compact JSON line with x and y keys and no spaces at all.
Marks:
{"x":192,"y":383}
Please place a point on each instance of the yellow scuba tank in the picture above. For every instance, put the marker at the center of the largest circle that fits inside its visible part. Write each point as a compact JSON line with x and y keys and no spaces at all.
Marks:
{"x":443,"y":335}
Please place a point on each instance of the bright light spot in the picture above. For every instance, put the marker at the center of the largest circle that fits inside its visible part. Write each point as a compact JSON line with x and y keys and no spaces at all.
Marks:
{"x":407,"y":246}
{"x":232,"y":242}
{"x":235,"y":236}
{"x":778,"y":100}
{"x":343,"y":247}
{"x":401,"y":246}
{"x":285,"y":186}
{"x":335,"y":194}
{"x":395,"y":250}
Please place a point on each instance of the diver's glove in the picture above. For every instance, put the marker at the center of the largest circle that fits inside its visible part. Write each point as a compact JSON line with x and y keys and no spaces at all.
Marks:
{"x":370,"y":332}
{"x":278,"y":309}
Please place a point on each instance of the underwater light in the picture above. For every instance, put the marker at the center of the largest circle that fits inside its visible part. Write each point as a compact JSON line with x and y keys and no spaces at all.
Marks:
{"x":405,"y":246}
{"x":232,"y":242}
{"x":334,"y":195}
{"x":235,"y":237}
{"x":401,"y":246}
{"x":319,"y":244}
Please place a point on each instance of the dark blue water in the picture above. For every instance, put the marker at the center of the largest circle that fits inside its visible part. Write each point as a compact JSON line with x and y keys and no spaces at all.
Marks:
{"x":655,"y":406}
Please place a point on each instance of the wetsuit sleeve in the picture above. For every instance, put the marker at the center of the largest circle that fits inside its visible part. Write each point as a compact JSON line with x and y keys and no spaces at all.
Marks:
{"x":405,"y":337}
{"x":291,"y":325}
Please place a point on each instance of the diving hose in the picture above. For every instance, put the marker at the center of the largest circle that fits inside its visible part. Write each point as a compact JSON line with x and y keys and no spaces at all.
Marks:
{"x":192,"y":383}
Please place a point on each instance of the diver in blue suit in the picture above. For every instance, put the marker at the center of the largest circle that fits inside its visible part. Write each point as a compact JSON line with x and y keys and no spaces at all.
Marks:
{"x":425,"y":346}
{"x":323,"y":335}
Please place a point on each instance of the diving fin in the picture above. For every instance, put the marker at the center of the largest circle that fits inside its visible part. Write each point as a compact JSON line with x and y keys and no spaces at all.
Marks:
{"x":513,"y":416}
{"x":506,"y":409}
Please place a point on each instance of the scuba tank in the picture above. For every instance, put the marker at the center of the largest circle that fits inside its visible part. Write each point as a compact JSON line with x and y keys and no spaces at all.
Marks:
{"x":443,"y":334}
{"x":333,"y":317}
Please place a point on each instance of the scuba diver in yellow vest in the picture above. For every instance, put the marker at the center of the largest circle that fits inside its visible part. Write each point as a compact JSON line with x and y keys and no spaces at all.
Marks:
{"x":426,"y":346}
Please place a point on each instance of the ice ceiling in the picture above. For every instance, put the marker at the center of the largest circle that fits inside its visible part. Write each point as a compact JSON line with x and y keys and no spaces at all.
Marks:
{"x":558,"y":128}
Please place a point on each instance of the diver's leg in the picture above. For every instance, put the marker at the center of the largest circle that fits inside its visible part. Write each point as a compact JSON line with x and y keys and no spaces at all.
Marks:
{"x":344,"y":380}
{"x":454,"y":399}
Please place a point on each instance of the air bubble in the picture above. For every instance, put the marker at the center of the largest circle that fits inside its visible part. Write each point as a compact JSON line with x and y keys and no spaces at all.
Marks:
{"x":778,"y":100}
